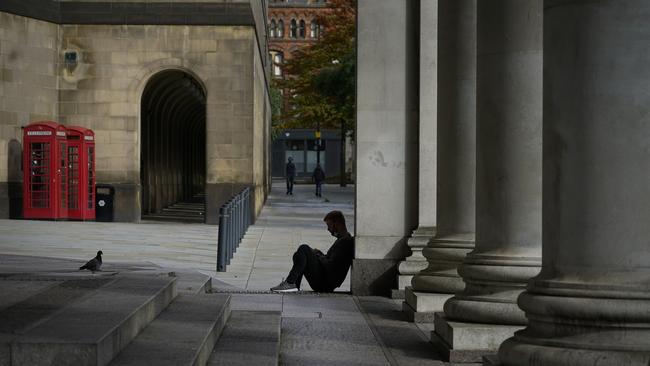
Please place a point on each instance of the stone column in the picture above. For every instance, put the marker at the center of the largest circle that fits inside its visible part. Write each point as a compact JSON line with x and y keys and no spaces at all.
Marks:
{"x":590,"y":305}
{"x":456,"y":156}
{"x":509,"y":183}
{"x":428,"y":142}
{"x":387,"y":142}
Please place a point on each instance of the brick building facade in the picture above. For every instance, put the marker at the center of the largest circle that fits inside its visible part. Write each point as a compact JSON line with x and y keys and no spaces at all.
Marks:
{"x":292,"y":24}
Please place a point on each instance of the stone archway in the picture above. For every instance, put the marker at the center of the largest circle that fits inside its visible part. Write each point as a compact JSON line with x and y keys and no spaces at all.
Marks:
{"x":173,"y":153}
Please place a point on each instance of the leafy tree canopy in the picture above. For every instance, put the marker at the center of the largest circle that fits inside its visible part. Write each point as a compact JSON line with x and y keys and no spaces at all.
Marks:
{"x":319,"y":79}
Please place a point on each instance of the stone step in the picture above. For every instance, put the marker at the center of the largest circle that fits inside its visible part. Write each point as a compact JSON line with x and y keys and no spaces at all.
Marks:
{"x":192,"y":282}
{"x":88,"y":326}
{"x":249,"y":338}
{"x":180,"y":211}
{"x":184,"y":334}
{"x":174,"y":218}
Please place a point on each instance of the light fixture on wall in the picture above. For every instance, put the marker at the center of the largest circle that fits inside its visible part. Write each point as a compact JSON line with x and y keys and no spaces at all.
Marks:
{"x":70,"y":60}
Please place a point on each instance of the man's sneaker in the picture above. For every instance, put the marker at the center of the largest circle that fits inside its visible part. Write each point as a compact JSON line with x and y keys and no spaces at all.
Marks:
{"x":285,"y":286}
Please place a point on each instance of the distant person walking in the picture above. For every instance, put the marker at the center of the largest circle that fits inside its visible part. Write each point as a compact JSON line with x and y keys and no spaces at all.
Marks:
{"x":319,"y":177}
{"x":291,"y":174}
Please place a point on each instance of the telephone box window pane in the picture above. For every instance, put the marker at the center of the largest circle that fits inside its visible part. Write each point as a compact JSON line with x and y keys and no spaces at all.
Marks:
{"x":73,"y":182}
{"x":64,"y":178}
{"x":39,"y":175}
{"x":91,"y":177}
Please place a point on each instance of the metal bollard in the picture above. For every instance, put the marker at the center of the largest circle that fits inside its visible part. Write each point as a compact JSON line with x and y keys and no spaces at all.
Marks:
{"x":221,"y":252}
{"x":234,"y":220}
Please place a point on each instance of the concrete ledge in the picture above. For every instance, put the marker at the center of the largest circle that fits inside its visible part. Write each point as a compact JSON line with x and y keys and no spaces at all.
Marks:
{"x":184,"y":334}
{"x":455,"y":356}
{"x":250,"y":338}
{"x":468,"y":342}
{"x":420,"y":307}
{"x":414,"y":316}
{"x":95,"y":329}
{"x":193,"y":283}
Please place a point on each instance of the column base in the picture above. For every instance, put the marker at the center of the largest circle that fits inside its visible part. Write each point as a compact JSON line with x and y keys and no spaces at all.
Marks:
{"x":403,"y":281}
{"x":491,"y":360}
{"x":468,"y":342}
{"x":420,"y":307}
{"x":373,"y":277}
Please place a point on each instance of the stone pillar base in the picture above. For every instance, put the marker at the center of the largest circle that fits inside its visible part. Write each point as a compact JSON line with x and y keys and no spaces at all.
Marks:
{"x":420,"y":307}
{"x":491,"y":360}
{"x":403,"y":281}
{"x":373,"y":277}
{"x":468,"y":342}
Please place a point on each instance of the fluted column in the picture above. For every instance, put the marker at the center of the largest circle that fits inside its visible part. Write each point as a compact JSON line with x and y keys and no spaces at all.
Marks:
{"x":509,"y":180}
{"x":456,"y":161}
{"x":590,"y":305}
{"x":420,"y":237}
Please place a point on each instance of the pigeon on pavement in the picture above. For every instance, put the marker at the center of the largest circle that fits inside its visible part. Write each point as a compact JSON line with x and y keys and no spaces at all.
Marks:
{"x":94,"y":264}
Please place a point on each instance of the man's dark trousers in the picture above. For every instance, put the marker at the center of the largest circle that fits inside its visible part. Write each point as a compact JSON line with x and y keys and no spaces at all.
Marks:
{"x":290,"y":184}
{"x":305,"y":262}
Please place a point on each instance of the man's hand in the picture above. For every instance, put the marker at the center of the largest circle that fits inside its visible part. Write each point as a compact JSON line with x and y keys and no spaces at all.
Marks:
{"x":317,"y":252}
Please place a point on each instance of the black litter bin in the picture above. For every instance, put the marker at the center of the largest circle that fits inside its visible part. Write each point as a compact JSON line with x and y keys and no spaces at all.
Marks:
{"x":104,"y":195}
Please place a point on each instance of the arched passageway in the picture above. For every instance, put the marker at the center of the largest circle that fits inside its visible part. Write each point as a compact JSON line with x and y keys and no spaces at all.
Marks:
{"x":173,"y":144}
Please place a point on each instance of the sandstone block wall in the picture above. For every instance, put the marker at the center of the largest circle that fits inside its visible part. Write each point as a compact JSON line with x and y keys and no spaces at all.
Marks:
{"x":28,"y":92}
{"x":103,"y":92}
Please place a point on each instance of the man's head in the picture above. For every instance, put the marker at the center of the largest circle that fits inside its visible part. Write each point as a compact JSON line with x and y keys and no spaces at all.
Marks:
{"x":336,"y":223}
{"x":290,"y":159}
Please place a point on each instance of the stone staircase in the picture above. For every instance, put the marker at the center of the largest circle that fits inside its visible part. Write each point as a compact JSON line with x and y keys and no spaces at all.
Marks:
{"x":118,"y":320}
{"x":190,"y":211}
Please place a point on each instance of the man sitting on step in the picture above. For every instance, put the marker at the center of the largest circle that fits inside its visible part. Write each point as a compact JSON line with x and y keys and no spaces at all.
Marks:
{"x":324,"y":272}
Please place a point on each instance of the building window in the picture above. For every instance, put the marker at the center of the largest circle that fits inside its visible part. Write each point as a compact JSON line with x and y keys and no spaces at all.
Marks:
{"x":280,"y":30}
{"x":302,"y":29}
{"x":313,"y":30}
{"x":273,"y":29}
{"x":293,"y":32}
{"x":278,"y":59}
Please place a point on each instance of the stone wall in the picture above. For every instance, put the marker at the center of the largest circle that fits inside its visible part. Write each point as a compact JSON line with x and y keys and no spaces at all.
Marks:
{"x":104,"y":93}
{"x":28,"y":92}
{"x":261,"y":133}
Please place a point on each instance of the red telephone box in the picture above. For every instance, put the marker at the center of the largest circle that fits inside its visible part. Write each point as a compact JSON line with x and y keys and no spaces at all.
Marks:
{"x":81,"y":173}
{"x":45,"y":161}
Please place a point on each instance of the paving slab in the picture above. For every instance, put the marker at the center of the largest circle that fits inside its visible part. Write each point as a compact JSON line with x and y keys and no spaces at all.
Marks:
{"x":184,"y":334}
{"x":338,"y":336}
{"x":93,"y":330}
{"x":404,"y":342}
{"x":15,"y":291}
{"x":249,"y":338}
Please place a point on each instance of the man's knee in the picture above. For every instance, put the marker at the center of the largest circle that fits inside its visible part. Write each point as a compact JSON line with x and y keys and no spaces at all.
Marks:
{"x":303,"y":250}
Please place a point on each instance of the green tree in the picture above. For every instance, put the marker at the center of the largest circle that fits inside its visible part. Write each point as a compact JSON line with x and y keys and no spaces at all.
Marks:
{"x":319,"y":79}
